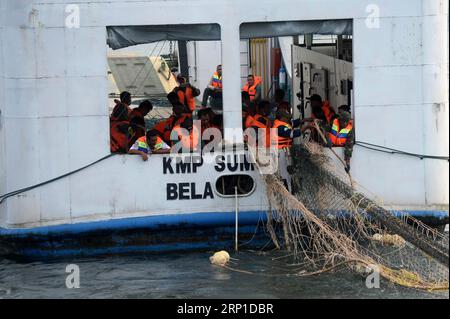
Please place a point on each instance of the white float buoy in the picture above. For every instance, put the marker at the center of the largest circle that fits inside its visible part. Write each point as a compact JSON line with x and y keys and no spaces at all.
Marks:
{"x":220,"y":258}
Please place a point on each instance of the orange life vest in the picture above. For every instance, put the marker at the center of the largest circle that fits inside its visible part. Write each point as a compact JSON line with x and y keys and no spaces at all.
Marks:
{"x":251,"y":90}
{"x":186,"y":97}
{"x":217,"y":80}
{"x":339,"y":136}
{"x":327,"y":110}
{"x":166,"y":126}
{"x":119,"y":137}
{"x":281,"y":141}
{"x":144,"y":147}
{"x":259,"y":124}
{"x":249,"y":121}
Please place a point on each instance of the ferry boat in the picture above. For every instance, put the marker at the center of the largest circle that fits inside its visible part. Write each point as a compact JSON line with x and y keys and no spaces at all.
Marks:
{"x":389,"y":62}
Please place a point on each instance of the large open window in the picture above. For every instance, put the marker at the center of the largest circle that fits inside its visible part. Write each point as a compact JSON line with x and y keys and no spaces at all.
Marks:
{"x":303,"y":67}
{"x":177,"y":68}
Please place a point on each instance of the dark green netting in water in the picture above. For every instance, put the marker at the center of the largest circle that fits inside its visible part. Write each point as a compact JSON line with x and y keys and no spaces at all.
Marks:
{"x":326,"y":224}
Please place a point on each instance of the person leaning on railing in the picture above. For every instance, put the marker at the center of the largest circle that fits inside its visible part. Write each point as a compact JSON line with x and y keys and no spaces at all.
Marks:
{"x":151,"y":143}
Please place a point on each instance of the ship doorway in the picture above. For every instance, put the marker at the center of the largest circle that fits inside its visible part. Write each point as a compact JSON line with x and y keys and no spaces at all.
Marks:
{"x":303,"y":68}
{"x":300,"y":65}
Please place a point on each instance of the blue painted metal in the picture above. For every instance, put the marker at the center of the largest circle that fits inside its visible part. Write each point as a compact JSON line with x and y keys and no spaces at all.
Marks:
{"x":132,"y":235}
{"x":39,"y":253}
{"x":148,"y":222}
{"x":162,"y":233}
{"x":438,"y":214}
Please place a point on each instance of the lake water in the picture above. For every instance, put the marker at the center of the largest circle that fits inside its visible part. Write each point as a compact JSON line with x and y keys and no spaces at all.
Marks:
{"x":188,"y":275}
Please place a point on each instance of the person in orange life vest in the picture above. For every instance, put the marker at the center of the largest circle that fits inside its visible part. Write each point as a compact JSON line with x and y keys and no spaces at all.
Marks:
{"x":174,"y":99}
{"x":186,"y":93}
{"x":165,"y":127}
{"x":150,"y":143}
{"x":178,"y":115}
{"x":120,"y":130}
{"x":316,"y":101}
{"x":341,"y":134}
{"x":125,"y":100}
{"x":253,"y":87}
{"x":142,"y":110}
{"x":214,"y":90}
{"x":187,"y":134}
{"x":341,"y":109}
{"x":286,"y":130}
{"x":262,"y":121}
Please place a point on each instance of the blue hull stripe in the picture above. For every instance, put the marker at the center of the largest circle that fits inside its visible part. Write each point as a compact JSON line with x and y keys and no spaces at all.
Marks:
{"x":162,"y":233}
{"x":215,"y":219}
{"x":148,"y":222}
{"x":39,"y":253}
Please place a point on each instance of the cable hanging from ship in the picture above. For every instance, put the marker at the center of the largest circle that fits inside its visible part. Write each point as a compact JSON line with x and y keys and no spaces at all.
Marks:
{"x":389,"y":150}
{"x":26,"y":189}
{"x":366,"y":145}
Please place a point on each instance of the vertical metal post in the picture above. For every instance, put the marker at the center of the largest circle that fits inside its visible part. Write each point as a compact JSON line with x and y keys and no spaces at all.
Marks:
{"x":231,"y":70}
{"x":308,"y":41}
{"x":183,"y":58}
{"x":236,"y":225}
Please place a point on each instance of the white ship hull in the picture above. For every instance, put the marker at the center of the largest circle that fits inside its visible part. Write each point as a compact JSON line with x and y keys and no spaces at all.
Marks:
{"x":54,"y":117}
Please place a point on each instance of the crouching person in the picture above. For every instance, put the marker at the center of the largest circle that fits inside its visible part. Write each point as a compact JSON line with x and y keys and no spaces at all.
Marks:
{"x":148,"y":144}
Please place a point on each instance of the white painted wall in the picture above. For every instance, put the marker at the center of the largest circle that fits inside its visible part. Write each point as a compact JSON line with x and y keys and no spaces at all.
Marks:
{"x":395,"y":105}
{"x":203,"y":59}
{"x":54,"y":97}
{"x":337,"y":70}
{"x":2,"y":130}
{"x":125,"y":186}
{"x":435,"y":84}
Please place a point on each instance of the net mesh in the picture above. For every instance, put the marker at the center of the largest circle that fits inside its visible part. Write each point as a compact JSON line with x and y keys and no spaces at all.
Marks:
{"x":326,"y":225}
